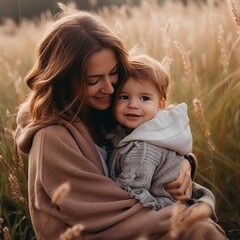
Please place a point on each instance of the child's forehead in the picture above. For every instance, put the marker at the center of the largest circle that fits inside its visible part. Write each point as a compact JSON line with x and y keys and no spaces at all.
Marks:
{"x":139,"y":85}
{"x":140,"y":81}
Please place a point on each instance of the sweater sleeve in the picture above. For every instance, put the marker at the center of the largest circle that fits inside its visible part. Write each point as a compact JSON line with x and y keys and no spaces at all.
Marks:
{"x":202,"y":194}
{"x":143,"y":168}
{"x":136,"y":164}
{"x":105,"y":210}
{"x":193,"y":163}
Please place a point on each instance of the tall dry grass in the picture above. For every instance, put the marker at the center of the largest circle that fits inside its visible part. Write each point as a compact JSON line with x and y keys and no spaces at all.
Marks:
{"x":198,"y":44}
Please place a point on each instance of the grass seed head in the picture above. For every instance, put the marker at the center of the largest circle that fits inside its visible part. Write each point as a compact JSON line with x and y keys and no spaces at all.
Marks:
{"x":60,"y":192}
{"x":72,"y":232}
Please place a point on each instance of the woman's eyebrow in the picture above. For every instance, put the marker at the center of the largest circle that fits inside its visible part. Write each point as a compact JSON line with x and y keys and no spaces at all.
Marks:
{"x":92,"y":76}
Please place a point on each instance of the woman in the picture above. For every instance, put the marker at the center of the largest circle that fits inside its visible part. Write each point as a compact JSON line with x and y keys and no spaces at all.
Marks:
{"x":79,"y":63}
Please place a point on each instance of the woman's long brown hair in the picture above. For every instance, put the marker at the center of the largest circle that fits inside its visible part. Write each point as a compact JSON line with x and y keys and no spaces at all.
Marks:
{"x":61,"y":62}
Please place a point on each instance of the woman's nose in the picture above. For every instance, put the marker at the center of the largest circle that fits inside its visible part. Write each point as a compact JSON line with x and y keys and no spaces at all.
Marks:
{"x":107,"y":86}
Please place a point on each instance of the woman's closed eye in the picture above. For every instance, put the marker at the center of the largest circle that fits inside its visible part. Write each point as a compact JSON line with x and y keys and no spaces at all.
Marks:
{"x":94,"y":80}
{"x":114,"y":71}
{"x":92,"y":83}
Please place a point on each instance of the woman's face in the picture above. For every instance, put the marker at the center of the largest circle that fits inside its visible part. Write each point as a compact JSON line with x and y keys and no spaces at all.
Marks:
{"x":102,"y":75}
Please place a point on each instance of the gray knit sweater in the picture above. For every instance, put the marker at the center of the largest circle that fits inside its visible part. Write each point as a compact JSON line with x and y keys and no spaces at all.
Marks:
{"x":152,"y":155}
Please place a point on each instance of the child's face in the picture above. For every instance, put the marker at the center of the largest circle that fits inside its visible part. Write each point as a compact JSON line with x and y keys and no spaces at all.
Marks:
{"x":138,"y":102}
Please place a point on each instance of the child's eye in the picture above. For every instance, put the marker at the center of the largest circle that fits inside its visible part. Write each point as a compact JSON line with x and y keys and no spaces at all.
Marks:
{"x":144,"y":98}
{"x":123,"y":97}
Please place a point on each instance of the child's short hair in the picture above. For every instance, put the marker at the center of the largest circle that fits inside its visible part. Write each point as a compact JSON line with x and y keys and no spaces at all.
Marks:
{"x":146,"y":68}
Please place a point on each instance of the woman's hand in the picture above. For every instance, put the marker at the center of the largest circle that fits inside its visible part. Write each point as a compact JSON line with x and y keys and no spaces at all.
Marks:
{"x":181,"y":220}
{"x":196,"y":212}
{"x":161,"y":223}
{"x":181,"y":188}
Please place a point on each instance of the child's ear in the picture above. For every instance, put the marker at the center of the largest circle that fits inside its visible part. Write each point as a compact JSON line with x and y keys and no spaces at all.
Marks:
{"x":162,"y":103}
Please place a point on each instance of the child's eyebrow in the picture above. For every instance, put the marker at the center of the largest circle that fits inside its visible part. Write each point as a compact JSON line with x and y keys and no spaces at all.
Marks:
{"x":140,"y":94}
{"x":146,"y":94}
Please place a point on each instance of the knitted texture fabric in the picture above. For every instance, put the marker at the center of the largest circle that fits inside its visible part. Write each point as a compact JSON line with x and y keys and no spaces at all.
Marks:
{"x":141,"y":163}
{"x":142,"y":168}
{"x":169,"y":128}
{"x":64,"y":150}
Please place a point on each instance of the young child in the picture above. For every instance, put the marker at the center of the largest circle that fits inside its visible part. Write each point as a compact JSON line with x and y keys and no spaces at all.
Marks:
{"x":151,"y":139}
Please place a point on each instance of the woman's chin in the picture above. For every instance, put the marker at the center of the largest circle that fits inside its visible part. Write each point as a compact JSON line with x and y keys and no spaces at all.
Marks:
{"x":101,"y":106}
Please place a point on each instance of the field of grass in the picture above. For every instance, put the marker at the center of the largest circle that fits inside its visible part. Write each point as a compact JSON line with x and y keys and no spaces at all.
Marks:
{"x":200,"y":47}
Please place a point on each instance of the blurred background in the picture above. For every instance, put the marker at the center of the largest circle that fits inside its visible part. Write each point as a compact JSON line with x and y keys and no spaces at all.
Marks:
{"x":17,"y":9}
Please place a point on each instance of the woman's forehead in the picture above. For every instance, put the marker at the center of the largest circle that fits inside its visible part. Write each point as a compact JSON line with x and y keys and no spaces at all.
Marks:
{"x":101,"y":62}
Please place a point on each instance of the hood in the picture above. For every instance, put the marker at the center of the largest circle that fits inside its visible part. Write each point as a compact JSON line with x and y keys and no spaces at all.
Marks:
{"x":27,"y":128}
{"x":169,"y":128}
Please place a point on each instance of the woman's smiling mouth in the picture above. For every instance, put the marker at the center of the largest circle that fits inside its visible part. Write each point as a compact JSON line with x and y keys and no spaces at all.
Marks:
{"x":104,"y":99}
